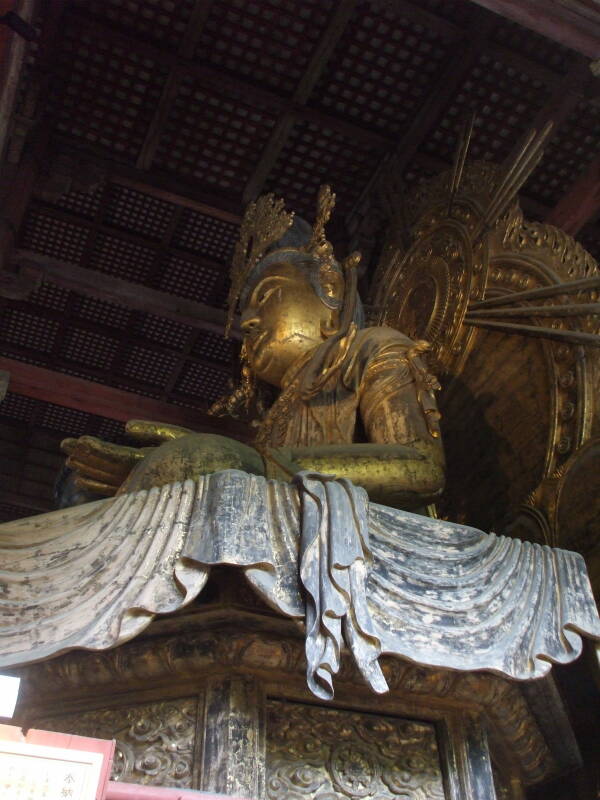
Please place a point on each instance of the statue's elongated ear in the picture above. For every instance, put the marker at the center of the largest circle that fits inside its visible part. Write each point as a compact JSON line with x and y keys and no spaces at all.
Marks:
{"x":332,"y":282}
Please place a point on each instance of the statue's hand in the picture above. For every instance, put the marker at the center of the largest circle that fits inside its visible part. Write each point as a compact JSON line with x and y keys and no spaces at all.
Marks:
{"x":189,"y":457}
{"x":102,"y":467}
{"x":157,"y":433}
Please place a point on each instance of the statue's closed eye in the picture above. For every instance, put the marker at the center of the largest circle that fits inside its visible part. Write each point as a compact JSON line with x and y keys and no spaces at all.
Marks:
{"x":265,"y":289}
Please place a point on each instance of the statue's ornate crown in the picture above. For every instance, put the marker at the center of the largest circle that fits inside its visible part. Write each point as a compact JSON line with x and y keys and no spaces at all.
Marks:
{"x":264,"y":223}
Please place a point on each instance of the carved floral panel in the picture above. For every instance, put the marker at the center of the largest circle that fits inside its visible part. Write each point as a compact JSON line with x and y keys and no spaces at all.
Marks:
{"x":326,"y":753}
{"x":155,"y":741}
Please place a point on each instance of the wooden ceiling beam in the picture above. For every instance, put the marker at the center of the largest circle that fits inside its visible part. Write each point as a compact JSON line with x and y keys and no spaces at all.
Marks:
{"x":130,"y":236}
{"x":207,"y":76}
{"x":17,"y":188}
{"x":28,"y":503}
{"x":80,"y":323}
{"x":116,"y":290}
{"x":414,"y":12}
{"x":455,"y":72}
{"x":170,"y":90}
{"x":213,"y":79}
{"x":156,"y":183}
{"x":565,"y":95}
{"x":106,"y":401}
{"x":532,"y":69}
{"x":580,"y":204}
{"x":575,"y":24}
{"x":563,"y":101}
{"x":281,"y":133}
{"x":104,"y":376}
{"x":451,"y":76}
{"x":159,"y":119}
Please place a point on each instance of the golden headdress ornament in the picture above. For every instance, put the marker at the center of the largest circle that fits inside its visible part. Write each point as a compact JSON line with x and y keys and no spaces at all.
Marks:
{"x":263,"y":224}
{"x":318,"y":247}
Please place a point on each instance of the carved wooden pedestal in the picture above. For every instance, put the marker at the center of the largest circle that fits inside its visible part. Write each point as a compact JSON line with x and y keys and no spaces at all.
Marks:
{"x":215,"y":698}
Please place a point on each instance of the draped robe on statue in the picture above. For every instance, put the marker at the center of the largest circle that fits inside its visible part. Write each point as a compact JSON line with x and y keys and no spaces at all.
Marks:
{"x":365,"y":397}
{"x":372,"y":578}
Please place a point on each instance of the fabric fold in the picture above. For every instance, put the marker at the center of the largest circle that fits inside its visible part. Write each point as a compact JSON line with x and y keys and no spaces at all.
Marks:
{"x":366,"y":577}
{"x":334,"y":553}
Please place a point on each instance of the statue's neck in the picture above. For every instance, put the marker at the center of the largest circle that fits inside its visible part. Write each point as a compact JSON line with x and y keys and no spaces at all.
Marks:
{"x":296,"y":367}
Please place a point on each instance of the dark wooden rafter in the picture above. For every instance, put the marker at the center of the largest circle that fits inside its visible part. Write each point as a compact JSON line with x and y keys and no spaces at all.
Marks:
{"x":107,"y":401}
{"x":15,"y":200}
{"x":17,"y":189}
{"x":190,"y":343}
{"x":122,"y":355}
{"x":184,"y":356}
{"x":211,"y":78}
{"x":452,"y":75}
{"x":170,"y":90}
{"x":286,"y":122}
{"x":26,"y":501}
{"x":94,"y":230}
{"x":155,"y":183}
{"x":575,"y":24}
{"x":12,"y":55}
{"x":160,"y":248}
{"x":102,"y":376}
{"x":236,"y":87}
{"x":566,"y":93}
{"x":116,"y":290}
{"x":4,"y":381}
{"x":185,"y":353}
{"x":131,"y":336}
{"x":581,"y":203}
{"x":565,"y":97}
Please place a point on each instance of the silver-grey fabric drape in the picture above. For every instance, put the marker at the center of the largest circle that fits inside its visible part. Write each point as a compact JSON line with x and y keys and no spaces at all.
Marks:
{"x":373,"y":578}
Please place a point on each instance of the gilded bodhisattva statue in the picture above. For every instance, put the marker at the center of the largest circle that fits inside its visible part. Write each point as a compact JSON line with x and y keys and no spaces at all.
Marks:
{"x":355,"y":402}
{"x":355,"y":411}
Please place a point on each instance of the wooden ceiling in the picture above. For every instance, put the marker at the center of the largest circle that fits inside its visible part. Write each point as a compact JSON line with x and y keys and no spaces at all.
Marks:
{"x":142,"y":127}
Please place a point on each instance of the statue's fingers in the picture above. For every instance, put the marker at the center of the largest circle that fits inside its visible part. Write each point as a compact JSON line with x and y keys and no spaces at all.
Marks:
{"x":89,"y":463}
{"x":107,"y":453}
{"x":97,"y":487}
{"x":86,"y":470}
{"x":149,"y":432}
{"x":68,"y":445}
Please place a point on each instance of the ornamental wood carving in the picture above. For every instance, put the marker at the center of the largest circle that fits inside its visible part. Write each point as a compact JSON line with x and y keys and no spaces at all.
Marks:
{"x":328,"y":753}
{"x":155,"y":741}
{"x":223,"y":647}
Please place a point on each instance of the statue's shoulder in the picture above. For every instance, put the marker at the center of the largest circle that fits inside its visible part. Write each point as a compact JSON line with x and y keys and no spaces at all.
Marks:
{"x":380,"y":336}
{"x":377,"y":348}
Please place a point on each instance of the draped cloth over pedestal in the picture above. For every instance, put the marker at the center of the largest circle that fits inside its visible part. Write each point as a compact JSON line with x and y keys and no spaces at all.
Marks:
{"x":373,"y":578}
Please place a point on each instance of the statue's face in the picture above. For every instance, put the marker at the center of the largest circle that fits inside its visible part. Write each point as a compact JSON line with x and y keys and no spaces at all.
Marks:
{"x":283,"y":319}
